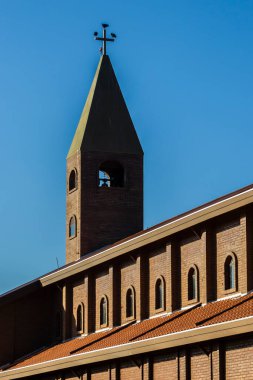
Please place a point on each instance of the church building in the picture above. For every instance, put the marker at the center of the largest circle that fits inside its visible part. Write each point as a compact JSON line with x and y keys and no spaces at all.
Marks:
{"x":173,"y":301}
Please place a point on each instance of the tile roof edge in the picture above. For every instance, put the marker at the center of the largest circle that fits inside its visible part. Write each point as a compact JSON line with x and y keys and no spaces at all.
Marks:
{"x":240,"y":301}
{"x":177,"y":339}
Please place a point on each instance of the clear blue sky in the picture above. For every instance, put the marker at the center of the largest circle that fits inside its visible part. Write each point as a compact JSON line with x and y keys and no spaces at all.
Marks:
{"x":186,"y":71}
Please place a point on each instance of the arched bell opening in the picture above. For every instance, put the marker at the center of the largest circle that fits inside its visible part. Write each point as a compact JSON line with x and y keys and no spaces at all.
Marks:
{"x":111,"y":174}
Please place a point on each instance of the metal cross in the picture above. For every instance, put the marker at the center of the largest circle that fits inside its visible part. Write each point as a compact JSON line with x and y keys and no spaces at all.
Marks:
{"x":104,"y":38}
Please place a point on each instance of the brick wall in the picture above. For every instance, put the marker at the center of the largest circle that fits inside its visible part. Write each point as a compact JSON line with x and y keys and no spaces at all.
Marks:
{"x":130,"y":370}
{"x":79,"y":298}
{"x":130,"y":277}
{"x":73,"y":200}
{"x":200,"y":368}
{"x":99,"y":373}
{"x":35,"y":315}
{"x":109,"y":214}
{"x":249,"y":248}
{"x":7,"y":331}
{"x":164,"y":365}
{"x":159,"y":267}
{"x":27,"y":323}
{"x":231,"y":238}
{"x":103,"y":287}
{"x":239,"y":364}
{"x":193,"y":253}
{"x":205,"y":248}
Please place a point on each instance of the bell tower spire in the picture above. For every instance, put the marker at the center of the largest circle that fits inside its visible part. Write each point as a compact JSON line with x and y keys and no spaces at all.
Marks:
{"x":104,"y":168}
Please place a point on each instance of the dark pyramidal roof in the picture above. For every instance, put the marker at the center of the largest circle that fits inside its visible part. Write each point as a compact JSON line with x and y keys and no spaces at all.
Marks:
{"x":105,"y":124}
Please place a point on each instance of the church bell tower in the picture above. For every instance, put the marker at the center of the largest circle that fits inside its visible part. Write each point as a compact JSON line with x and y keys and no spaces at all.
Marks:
{"x":104,"y":168}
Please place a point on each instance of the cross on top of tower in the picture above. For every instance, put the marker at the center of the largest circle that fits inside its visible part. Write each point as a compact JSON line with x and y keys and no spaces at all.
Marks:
{"x":104,"y":38}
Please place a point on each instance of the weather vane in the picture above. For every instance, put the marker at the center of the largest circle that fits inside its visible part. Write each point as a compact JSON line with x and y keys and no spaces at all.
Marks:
{"x":104,"y":38}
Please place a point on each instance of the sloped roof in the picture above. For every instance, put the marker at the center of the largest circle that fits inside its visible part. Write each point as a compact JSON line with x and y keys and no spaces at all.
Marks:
{"x":211,"y":209}
{"x":105,"y":124}
{"x":189,"y":319}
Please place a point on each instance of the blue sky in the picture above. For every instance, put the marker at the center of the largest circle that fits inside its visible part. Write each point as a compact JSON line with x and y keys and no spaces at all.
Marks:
{"x":186,"y":71}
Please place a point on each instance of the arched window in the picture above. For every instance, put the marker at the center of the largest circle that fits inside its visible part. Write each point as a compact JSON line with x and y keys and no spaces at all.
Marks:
{"x":73,"y":180}
{"x":130,"y":303}
{"x":192,"y":284}
{"x":58,"y":327}
{"x":72,"y":227}
{"x":159,"y":294}
{"x":80,"y":318}
{"x":230,"y":272}
{"x":111,"y":174}
{"x":103,"y":311}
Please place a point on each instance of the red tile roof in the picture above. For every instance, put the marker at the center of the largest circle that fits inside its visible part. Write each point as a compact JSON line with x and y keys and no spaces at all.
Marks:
{"x":196,"y":316}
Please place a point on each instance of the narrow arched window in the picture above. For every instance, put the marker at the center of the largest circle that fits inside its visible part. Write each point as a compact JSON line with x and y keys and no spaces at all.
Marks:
{"x":130,"y":303}
{"x":230,"y":272}
{"x":72,"y":227}
{"x":58,"y":327}
{"x":192,"y":284}
{"x":111,"y":174}
{"x":159,"y":294}
{"x":103,"y":311}
{"x":73,"y":180}
{"x":80,"y":318}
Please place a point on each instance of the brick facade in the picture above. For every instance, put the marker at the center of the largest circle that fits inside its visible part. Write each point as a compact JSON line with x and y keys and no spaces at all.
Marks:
{"x":103,"y":288}
{"x":231,"y":239}
{"x":159,"y":268}
{"x":104,"y":215}
{"x":79,"y":298}
{"x":140,"y":271}
{"x":164,"y":365}
{"x":73,"y":205}
{"x":193,"y":253}
{"x":130,"y":278}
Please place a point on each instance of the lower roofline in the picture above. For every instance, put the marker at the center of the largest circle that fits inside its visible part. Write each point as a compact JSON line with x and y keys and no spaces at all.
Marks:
{"x":178,"y":339}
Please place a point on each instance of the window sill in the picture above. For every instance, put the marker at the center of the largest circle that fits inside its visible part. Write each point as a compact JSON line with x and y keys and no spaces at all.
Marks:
{"x":160,"y":310}
{"x":129,"y":319}
{"x":191,"y":302}
{"x":229,"y":291}
{"x":73,"y":190}
{"x":104,"y":326}
{"x":72,"y":237}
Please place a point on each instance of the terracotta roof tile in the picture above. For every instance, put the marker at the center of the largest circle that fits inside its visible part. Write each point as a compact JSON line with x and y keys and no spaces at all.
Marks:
{"x":196,"y":316}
